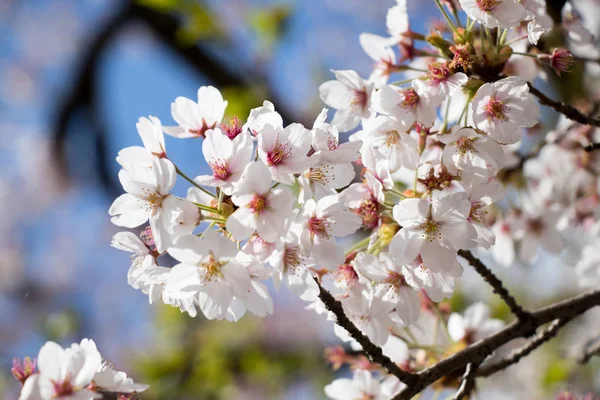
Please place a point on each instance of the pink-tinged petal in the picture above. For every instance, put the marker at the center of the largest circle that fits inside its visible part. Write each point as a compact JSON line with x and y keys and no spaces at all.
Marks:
{"x":436,"y":257}
{"x":327,"y":252}
{"x":159,"y":223}
{"x":345,"y":119}
{"x":52,"y":361}
{"x":342,"y":389}
{"x":184,"y":112}
{"x":214,"y":299}
{"x":135,"y":155}
{"x":461,"y":235}
{"x":345,"y":223}
{"x":241,"y":224}
{"x":211,"y":104}
{"x":475,"y":315}
{"x":411,"y":212}
{"x":349,"y":78}
{"x":179,"y":132}
{"x":165,"y":175}
{"x":369,"y":266}
{"x":256,"y":179}
{"x":189,"y":249}
{"x":128,"y":211}
{"x":405,"y":246}
{"x":151,"y":132}
{"x":456,"y":327}
{"x":408,"y":306}
{"x":128,"y":241}
{"x":31,"y":389}
{"x":336,"y":95}
{"x":528,"y":249}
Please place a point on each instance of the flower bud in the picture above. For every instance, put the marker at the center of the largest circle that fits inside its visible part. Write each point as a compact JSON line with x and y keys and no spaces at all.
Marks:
{"x":560,"y":60}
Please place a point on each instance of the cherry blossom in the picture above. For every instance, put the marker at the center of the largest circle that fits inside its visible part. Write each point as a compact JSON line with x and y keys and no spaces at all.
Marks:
{"x":410,"y":105}
{"x":432,"y":229}
{"x":495,"y":13}
{"x":474,"y":325}
{"x":285,"y":151}
{"x":148,"y":198}
{"x":502,"y":107}
{"x":195,"y":119}
{"x":212,"y":276}
{"x":321,"y":221}
{"x":227,"y":159}
{"x":350,"y":95}
{"x":261,"y":208}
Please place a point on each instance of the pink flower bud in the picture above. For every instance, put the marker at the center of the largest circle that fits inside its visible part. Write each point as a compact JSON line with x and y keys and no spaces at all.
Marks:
{"x":561,"y":60}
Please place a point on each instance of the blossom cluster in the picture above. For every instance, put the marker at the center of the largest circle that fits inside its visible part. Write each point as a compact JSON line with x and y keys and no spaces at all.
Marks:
{"x":423,"y":170}
{"x":77,"y":372}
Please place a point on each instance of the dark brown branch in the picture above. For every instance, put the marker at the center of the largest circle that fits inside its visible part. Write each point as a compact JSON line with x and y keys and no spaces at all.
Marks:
{"x":479,"y":351}
{"x":468,"y":382}
{"x":82,"y":94}
{"x":495,"y":283}
{"x":591,"y":349}
{"x":568,"y":111}
{"x":516,"y":355}
{"x":372,"y":351}
{"x":592,"y":147}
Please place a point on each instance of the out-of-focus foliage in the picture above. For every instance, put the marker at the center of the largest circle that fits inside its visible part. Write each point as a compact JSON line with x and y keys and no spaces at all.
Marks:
{"x":199,"y":359}
{"x":270,"y":25}
{"x":199,"y":22}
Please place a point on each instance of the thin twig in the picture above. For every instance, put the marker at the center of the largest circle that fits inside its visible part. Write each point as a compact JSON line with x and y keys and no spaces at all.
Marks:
{"x":516,"y":355}
{"x":468,"y":382}
{"x":591,"y":349}
{"x":495,"y":283}
{"x":479,"y":351}
{"x":592,"y":147}
{"x":373,"y":351}
{"x":563,"y":108}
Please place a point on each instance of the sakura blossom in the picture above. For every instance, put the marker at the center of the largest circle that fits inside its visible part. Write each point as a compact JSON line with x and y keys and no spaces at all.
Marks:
{"x":373,"y":215}
{"x":76,"y":372}
{"x":502,"y":107}
{"x":351,"y":96}
{"x":196,"y":118}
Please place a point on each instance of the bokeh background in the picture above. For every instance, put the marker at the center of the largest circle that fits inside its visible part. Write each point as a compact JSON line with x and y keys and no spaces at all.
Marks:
{"x":75,"y":75}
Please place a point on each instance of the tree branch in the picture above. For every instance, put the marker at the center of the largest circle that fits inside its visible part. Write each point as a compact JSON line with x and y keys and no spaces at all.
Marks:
{"x":516,"y":355}
{"x":479,"y":351}
{"x":495,"y":283}
{"x":468,"y":382}
{"x":563,"y":108}
{"x":372,"y":351}
{"x":591,"y":349}
{"x":592,"y":147}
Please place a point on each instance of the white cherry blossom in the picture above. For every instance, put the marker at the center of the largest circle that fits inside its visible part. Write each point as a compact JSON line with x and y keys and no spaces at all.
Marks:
{"x":260,"y":208}
{"x":350,"y":95}
{"x":227,"y":159}
{"x":285,"y":151}
{"x":195,"y":119}
{"x":501,"y":108}
{"x":321,"y":221}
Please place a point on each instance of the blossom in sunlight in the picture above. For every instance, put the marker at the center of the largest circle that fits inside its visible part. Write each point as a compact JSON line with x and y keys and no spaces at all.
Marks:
{"x":495,"y":13}
{"x":501,"y":108}
{"x":77,"y":372}
{"x":196,"y":118}
{"x":351,"y":96}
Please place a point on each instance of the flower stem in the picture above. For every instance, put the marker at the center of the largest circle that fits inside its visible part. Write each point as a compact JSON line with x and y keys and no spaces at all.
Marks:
{"x":447,"y":18}
{"x":187,"y":178}
{"x":525,"y":54}
{"x":360,"y":245}
{"x":207,"y":208}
